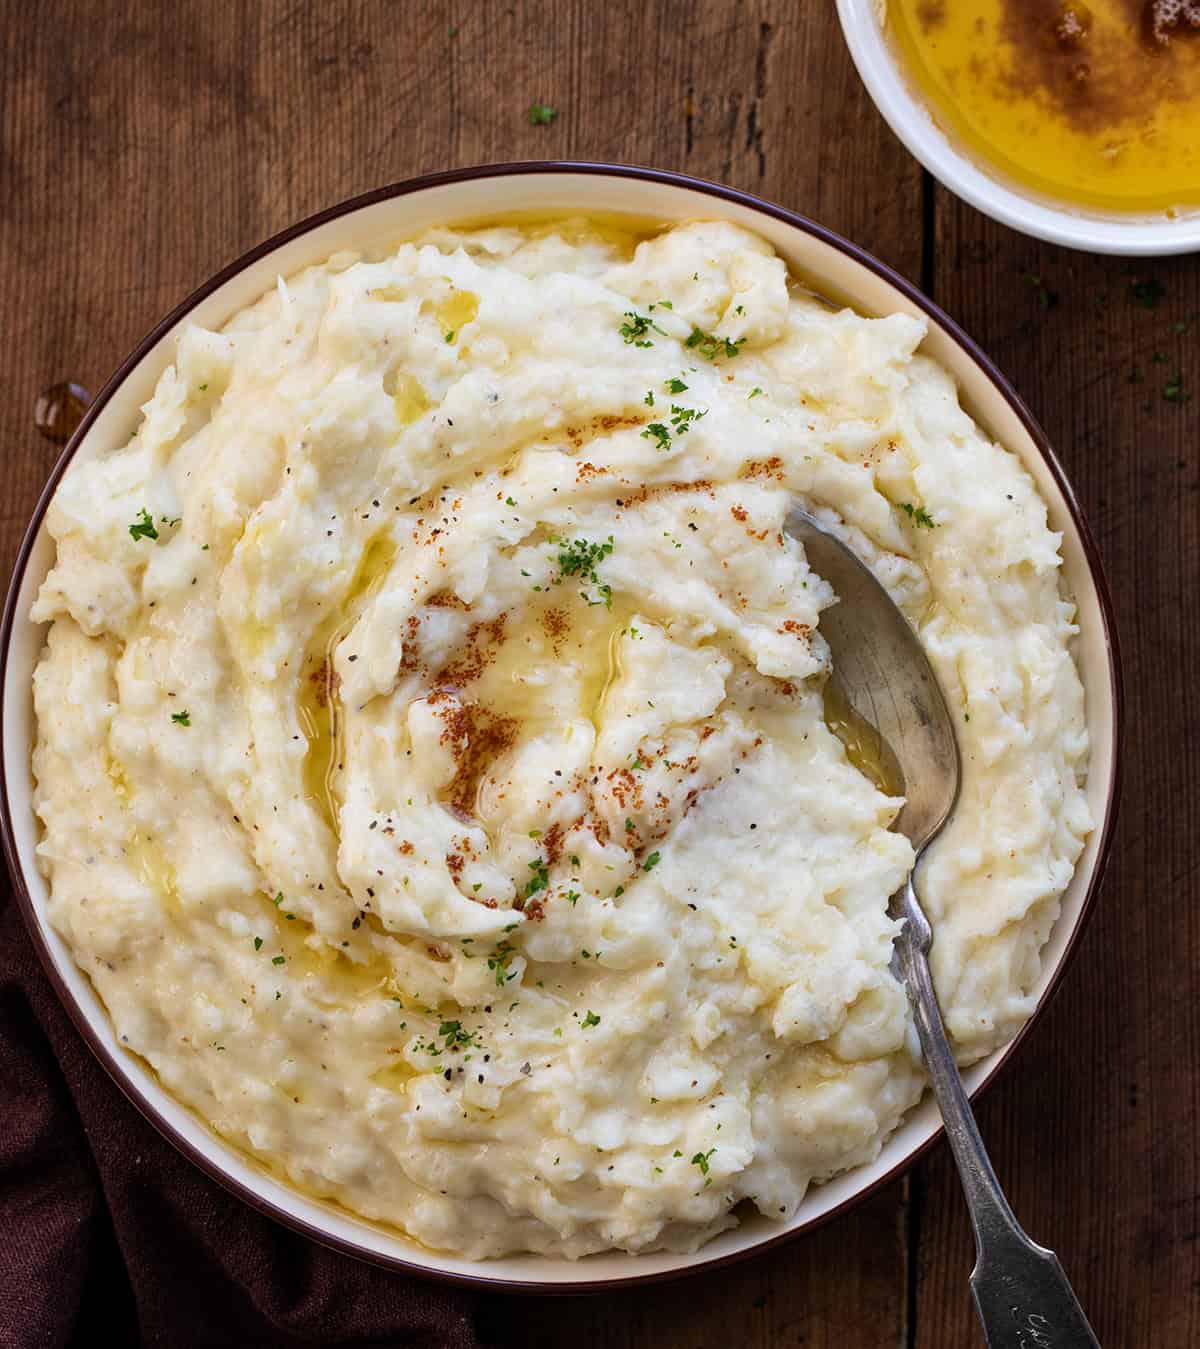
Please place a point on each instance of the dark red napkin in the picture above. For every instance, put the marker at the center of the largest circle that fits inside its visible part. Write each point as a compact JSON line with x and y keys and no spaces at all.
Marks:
{"x":107,"y":1235}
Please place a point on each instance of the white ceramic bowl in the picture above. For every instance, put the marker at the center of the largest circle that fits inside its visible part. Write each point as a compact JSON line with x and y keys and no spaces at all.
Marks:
{"x":390,"y":214}
{"x":1147,"y":235}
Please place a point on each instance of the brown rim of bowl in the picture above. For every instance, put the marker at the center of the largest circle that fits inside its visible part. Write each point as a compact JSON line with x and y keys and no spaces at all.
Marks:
{"x":670,"y":179}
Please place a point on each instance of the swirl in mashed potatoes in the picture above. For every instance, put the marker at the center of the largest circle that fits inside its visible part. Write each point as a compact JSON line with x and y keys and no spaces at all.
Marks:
{"x":431,"y":751}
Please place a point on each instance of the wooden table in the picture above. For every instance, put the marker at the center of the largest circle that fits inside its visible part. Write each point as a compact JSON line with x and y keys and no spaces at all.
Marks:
{"x":145,"y":146}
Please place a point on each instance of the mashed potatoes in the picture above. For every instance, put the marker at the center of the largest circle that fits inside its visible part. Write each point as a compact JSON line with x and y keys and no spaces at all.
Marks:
{"x":431,"y":756}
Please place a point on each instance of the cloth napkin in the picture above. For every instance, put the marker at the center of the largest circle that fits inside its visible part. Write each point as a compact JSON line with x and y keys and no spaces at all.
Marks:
{"x":106,"y":1231}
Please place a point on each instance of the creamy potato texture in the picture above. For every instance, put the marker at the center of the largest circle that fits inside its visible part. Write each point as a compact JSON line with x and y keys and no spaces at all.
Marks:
{"x":431,"y":750}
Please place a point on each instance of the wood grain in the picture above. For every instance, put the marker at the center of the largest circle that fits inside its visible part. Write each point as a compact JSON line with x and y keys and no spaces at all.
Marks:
{"x":1094,"y":1131}
{"x":142,"y":147}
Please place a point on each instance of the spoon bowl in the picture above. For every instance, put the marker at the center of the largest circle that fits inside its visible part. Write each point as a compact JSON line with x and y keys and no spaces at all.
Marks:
{"x":881,"y":670}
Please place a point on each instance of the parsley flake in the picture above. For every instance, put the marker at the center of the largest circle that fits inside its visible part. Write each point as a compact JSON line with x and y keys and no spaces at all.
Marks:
{"x":542,"y":114}
{"x":143,"y":526}
{"x":683,"y":419}
{"x":581,"y":557}
{"x":657,"y":432}
{"x":918,"y":515}
{"x":540,"y":878}
{"x":1046,"y":297}
{"x":652,"y":861}
{"x":711,"y":347}
{"x":499,"y":965}
{"x":1147,"y":293}
{"x":701,"y":1160}
{"x":635,"y":328}
{"x":591,"y":1019}
{"x":455,"y":1037}
{"x":181,"y":718}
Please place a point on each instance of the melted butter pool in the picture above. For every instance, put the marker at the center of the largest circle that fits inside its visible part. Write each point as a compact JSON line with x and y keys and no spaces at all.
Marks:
{"x":319,"y":702}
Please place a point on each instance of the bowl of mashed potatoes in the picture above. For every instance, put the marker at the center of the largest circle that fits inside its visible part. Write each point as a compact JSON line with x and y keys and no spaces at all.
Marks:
{"x":421,"y":780}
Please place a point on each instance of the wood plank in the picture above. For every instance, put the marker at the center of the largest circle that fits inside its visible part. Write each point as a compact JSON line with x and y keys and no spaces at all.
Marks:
{"x":1093,"y":1131}
{"x":144,"y":147}
{"x":841,"y":1286}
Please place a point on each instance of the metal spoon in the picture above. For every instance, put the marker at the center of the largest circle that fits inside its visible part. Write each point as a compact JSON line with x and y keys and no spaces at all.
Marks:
{"x":883,"y":675}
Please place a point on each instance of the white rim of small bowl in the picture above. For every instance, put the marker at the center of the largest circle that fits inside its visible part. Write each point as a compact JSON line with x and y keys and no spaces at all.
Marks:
{"x":1138,"y":235}
{"x":390,"y":214}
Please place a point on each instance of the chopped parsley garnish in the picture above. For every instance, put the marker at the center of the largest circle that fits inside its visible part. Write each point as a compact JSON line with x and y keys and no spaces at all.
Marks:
{"x":540,"y":878}
{"x":258,"y":943}
{"x":1173,"y":391}
{"x":591,"y":1019}
{"x":542,"y":114}
{"x":455,"y":1037}
{"x":500,"y":962}
{"x":279,"y":960}
{"x":635,"y":328}
{"x":572,"y":897}
{"x":450,"y":336}
{"x":278,"y":900}
{"x":711,"y":347}
{"x":657,"y":432}
{"x":581,"y":557}
{"x":918,"y":515}
{"x":675,"y":386}
{"x":143,"y":526}
{"x":682,"y":419}
{"x":753,"y":393}
{"x":649,"y":398}
{"x":181,"y":718}
{"x":1147,"y":293}
{"x":1047,"y":298}
{"x":204,"y":388}
{"x":652,"y":861}
{"x":701,"y":1160}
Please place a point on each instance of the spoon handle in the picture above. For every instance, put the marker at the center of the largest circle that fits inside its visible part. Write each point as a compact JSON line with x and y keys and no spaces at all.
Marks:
{"x":1021,"y":1293}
